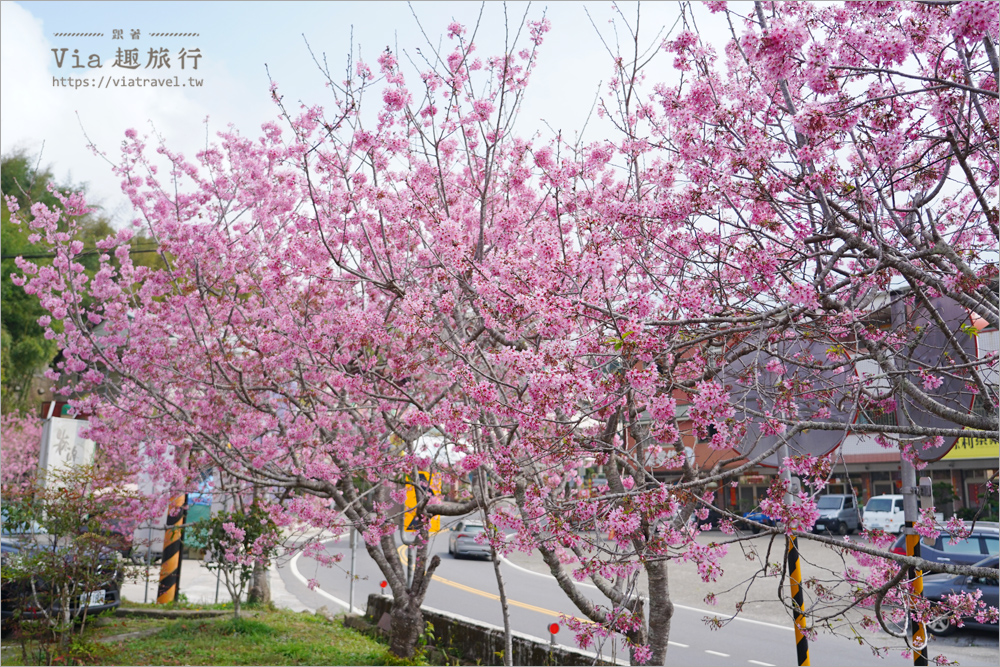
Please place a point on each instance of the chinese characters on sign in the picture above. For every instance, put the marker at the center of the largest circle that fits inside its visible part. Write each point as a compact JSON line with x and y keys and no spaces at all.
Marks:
{"x":62,"y":446}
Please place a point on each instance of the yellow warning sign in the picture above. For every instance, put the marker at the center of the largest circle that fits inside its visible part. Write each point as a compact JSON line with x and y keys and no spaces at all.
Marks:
{"x":431,"y":484}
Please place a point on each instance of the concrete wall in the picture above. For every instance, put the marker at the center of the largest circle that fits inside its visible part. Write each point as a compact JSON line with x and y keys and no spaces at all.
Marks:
{"x":482,"y":643}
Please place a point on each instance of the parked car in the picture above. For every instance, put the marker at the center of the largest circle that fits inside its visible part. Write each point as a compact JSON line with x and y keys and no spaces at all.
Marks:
{"x":838,"y":513}
{"x":759,"y":517}
{"x":984,"y":541}
{"x":462,"y":540}
{"x":936,"y":586}
{"x":710,"y":522}
{"x":17,"y":603}
{"x":884,"y":513}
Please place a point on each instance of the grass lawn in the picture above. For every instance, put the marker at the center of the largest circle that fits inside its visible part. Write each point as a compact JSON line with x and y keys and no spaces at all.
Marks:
{"x":261,"y":637}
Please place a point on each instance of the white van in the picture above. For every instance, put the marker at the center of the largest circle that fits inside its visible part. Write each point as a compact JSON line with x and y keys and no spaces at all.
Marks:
{"x":885,"y":513}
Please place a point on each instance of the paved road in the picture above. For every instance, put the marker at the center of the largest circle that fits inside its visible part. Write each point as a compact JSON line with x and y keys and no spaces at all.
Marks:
{"x":469,"y":588}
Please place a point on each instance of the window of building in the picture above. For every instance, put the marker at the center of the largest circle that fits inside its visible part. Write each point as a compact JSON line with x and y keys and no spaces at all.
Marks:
{"x":872,"y":416}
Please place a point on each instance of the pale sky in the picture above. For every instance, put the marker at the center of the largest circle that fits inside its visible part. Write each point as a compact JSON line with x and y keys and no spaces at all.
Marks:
{"x":237,"y":40}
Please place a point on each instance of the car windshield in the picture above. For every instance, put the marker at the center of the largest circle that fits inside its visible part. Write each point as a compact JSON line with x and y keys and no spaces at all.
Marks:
{"x":473,"y":528}
{"x":829,"y":503}
{"x":879,"y":505}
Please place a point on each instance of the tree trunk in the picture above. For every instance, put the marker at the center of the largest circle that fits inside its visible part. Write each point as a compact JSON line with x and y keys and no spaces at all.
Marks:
{"x":260,"y":585}
{"x":66,"y":629}
{"x":661,"y":610}
{"x":407,"y":625}
{"x":508,"y":644}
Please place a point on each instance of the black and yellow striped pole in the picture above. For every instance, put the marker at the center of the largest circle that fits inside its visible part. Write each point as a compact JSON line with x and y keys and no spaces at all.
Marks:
{"x":911,"y":512}
{"x":792,"y":487}
{"x":798,"y":602}
{"x":173,"y":543}
{"x":919,"y":636}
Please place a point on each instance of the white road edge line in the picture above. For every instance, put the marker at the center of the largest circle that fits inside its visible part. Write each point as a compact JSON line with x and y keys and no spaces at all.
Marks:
{"x":293,"y":566}
{"x":678,"y":644}
{"x":676,"y":606}
{"x":758,"y":662}
{"x":721,"y":655}
{"x":298,"y":575}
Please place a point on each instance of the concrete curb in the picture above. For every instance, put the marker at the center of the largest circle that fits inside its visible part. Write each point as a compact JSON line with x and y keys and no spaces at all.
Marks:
{"x":199,"y":585}
{"x":138,"y":634}
{"x":133,"y":612}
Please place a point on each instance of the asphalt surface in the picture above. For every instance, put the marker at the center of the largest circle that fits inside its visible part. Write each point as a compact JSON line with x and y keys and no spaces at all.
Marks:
{"x":762,"y":635}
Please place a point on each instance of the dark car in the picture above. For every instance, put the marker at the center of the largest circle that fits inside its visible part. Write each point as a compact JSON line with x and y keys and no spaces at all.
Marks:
{"x":462,"y":540}
{"x":758,"y":517}
{"x":936,"y":586}
{"x":984,"y":541}
{"x":711,"y":521}
{"x":17,"y":602}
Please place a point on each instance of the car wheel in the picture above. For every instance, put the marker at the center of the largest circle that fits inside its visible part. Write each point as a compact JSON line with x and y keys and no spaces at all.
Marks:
{"x":842,"y":528}
{"x":941,"y":626}
{"x":755,"y":529}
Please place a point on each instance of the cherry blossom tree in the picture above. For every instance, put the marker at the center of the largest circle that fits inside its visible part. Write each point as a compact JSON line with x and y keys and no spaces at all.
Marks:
{"x":758,"y":249}
{"x":21,"y":438}
{"x":760,"y":204}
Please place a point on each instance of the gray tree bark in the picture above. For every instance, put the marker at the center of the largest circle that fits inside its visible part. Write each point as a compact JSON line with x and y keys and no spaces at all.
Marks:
{"x":407,"y":624}
{"x":260,"y":585}
{"x":661,"y":611}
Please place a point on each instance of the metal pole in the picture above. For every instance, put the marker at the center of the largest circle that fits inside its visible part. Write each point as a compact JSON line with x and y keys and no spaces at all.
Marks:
{"x":795,"y":575}
{"x":218,"y":572}
{"x":409,"y":566}
{"x":173,"y":545}
{"x":149,"y":556}
{"x":911,"y":512}
{"x":354,"y":546}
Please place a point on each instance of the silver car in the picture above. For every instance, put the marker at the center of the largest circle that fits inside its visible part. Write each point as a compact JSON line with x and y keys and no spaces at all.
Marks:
{"x":838,"y":513}
{"x":462,"y":540}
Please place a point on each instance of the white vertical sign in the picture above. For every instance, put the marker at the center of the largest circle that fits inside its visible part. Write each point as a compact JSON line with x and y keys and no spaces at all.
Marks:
{"x":63,"y":447}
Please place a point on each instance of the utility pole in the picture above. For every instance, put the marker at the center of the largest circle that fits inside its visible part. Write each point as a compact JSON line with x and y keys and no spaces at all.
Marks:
{"x":354,"y":552}
{"x":409,"y":549}
{"x":795,"y":574}
{"x":911,"y":512}
{"x":173,"y":545}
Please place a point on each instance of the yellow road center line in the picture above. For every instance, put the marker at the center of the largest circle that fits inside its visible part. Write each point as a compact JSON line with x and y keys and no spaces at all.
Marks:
{"x":493,"y":596}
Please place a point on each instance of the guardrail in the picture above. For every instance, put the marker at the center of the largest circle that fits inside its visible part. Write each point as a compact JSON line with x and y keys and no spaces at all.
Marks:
{"x":481,"y":643}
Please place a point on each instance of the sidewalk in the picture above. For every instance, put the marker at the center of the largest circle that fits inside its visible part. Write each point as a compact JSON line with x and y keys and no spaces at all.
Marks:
{"x":201,"y":586}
